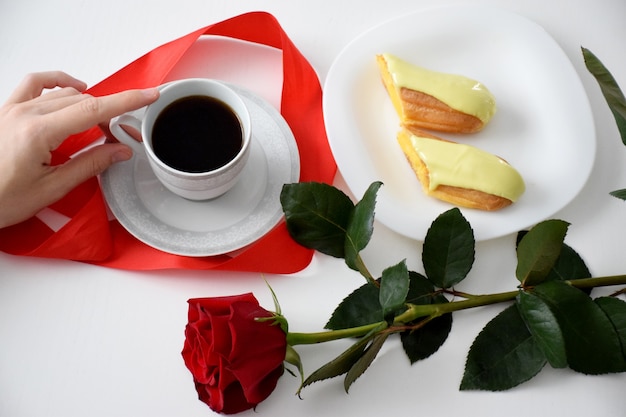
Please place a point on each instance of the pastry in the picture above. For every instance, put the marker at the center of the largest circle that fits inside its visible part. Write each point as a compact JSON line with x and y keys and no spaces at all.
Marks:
{"x":426,"y":99}
{"x":461,"y":174}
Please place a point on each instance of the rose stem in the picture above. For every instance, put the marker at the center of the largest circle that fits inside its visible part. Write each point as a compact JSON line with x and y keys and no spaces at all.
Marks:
{"x":433,"y":310}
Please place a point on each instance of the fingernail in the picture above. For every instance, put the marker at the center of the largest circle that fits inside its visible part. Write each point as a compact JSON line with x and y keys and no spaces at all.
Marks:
{"x":151,"y":92}
{"x":122,"y":155}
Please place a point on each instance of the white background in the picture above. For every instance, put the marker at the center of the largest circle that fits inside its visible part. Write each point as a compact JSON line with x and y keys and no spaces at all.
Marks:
{"x":79,"y":340}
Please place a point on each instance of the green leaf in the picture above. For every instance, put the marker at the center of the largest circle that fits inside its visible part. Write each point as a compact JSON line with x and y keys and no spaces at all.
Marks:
{"x":361,"y":365}
{"x":615,"y":310}
{"x":610,"y":89}
{"x":538,"y":251}
{"x":317,"y":216}
{"x":362,"y":306}
{"x":503,"y":355}
{"x":569,"y":266}
{"x":592,"y":343}
{"x":359,"y":308}
{"x":292,"y":357}
{"x":421,"y":290}
{"x":621,"y":194}
{"x":345,"y":361}
{"x":425,"y":340}
{"x":340,"y":365}
{"x":448,"y":251}
{"x":544,"y":327}
{"x":360,"y":226}
{"x":394,"y":288}
{"x":420,"y":343}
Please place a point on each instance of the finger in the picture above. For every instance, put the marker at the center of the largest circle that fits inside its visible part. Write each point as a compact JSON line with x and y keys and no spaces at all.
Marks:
{"x":85,"y":165}
{"x":33,"y":84}
{"x":91,"y":111}
{"x":55,"y":94}
{"x":54,"y":101}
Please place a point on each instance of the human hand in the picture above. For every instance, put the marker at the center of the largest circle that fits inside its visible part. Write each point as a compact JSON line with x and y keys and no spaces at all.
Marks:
{"x":33,"y":124}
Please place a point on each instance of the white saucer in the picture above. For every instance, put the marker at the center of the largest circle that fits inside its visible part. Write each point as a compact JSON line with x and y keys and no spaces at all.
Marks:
{"x":232,"y":221}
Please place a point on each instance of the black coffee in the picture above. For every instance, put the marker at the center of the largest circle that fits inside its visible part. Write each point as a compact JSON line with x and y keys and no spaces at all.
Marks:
{"x":196,"y":134}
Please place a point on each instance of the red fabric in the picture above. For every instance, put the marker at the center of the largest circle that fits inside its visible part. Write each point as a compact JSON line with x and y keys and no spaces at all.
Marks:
{"x":90,"y":237}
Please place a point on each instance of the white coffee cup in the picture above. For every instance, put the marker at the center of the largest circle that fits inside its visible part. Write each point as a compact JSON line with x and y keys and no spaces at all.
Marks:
{"x":197,"y":183}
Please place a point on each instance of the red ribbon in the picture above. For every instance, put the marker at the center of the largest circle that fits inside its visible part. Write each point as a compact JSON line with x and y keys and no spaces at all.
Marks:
{"x":90,"y":237}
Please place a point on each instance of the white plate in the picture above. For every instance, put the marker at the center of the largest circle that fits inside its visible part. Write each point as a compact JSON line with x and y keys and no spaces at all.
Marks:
{"x":249,"y":210}
{"x":543,"y":126}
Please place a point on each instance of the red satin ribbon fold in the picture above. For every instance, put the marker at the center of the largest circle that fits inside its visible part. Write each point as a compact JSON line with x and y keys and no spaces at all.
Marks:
{"x":89,"y":236}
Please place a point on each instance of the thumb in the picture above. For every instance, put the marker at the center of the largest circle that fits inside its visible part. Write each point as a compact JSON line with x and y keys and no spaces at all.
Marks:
{"x":88,"y":164}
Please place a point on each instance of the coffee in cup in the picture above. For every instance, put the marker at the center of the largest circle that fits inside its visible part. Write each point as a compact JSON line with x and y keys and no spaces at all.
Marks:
{"x":197,"y":134}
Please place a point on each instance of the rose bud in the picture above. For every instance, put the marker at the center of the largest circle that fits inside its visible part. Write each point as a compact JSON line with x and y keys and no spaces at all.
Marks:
{"x":235,"y":358}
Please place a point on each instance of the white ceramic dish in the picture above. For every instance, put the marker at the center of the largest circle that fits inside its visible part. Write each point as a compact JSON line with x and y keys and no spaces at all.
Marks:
{"x":543,"y":126}
{"x":251,"y":208}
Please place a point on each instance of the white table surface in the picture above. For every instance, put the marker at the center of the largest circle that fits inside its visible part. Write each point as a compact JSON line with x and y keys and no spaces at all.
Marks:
{"x":80,"y":340}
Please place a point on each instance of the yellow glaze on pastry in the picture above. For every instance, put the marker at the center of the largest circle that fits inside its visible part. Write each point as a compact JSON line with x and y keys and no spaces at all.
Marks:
{"x":459,"y":92}
{"x":468,"y":167}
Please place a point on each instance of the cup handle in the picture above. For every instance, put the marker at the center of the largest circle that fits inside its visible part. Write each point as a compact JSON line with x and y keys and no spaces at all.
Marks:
{"x":115,"y":125}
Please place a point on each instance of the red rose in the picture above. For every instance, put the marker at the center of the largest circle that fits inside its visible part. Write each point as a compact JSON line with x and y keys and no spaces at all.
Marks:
{"x":235,"y":360}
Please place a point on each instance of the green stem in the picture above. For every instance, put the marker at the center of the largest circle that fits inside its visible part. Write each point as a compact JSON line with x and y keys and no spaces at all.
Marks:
{"x":415,"y":311}
{"x":456,"y":293}
{"x":327,"y":336}
{"x":362,"y":268}
{"x":599,"y":282}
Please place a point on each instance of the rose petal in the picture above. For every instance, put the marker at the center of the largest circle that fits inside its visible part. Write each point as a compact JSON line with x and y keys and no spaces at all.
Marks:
{"x":217,"y":305}
{"x":259,"y":349}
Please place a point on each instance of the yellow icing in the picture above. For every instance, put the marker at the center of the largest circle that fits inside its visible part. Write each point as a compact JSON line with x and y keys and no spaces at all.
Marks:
{"x":465,"y":166}
{"x":459,"y":92}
